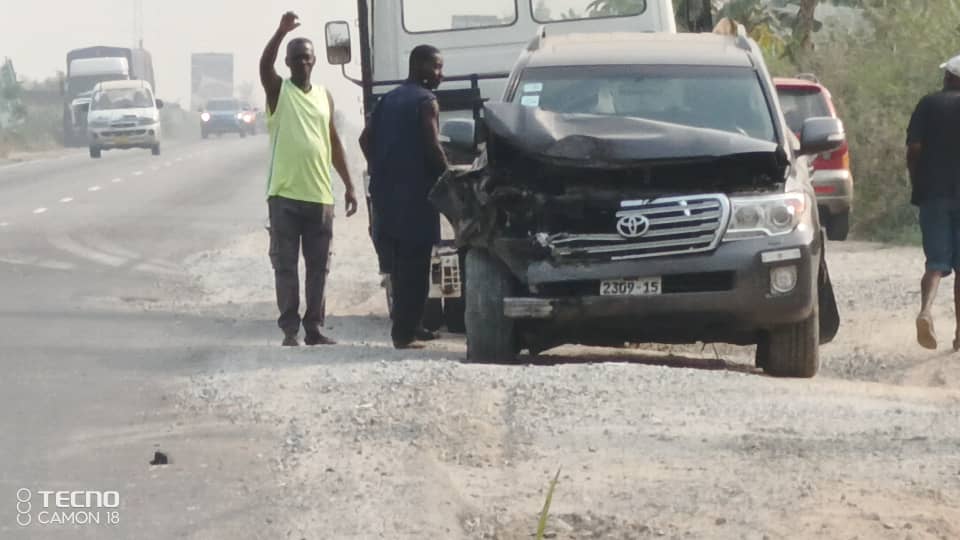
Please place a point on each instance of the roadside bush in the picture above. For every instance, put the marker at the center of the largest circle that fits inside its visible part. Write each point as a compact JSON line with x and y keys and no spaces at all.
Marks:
{"x":877,"y":77}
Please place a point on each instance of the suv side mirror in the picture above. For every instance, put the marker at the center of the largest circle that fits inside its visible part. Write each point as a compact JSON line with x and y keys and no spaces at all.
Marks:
{"x":159,"y":103}
{"x":339,"y":51}
{"x":822,"y":134}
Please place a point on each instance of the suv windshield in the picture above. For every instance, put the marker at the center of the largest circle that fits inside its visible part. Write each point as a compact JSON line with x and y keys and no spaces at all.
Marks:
{"x":122,"y":98}
{"x":223,"y":105}
{"x":723,"y":98}
{"x":801,"y":103}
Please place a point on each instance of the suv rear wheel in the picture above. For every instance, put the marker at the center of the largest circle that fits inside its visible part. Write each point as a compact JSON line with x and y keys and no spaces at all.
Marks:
{"x":95,"y":152}
{"x":792,"y":350}
{"x":491,"y":336}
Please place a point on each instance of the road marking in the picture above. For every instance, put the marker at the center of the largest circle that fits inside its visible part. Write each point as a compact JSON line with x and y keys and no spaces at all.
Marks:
{"x":155,"y":168}
{"x":4,"y":224}
{"x":71,"y":246}
{"x":40,"y":211}
{"x":168,"y":164}
{"x":66,"y":200}
{"x":138,"y":173}
{"x":117,"y":180}
{"x":179,"y":159}
{"x":94,"y":189}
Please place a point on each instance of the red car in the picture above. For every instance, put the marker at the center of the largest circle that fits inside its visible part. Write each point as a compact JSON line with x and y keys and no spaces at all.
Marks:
{"x":804,"y":97}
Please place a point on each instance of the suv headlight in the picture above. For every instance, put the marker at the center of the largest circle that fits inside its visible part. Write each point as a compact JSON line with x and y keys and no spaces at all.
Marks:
{"x":767,"y":215}
{"x":146,"y":121}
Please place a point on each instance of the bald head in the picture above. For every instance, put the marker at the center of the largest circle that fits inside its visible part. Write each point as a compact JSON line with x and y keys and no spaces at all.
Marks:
{"x":300,"y":59}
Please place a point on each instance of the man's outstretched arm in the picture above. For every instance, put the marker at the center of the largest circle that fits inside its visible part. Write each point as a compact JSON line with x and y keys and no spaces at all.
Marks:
{"x":269,"y":78}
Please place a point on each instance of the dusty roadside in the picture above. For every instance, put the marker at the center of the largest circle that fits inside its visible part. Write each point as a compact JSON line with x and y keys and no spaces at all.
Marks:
{"x":676,"y":443}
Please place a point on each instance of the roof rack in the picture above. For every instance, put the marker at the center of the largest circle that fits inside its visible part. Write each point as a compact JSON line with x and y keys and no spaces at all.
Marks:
{"x":537,"y":42}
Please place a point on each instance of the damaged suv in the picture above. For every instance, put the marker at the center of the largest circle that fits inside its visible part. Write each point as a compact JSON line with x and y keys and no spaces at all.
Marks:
{"x":643,"y":188}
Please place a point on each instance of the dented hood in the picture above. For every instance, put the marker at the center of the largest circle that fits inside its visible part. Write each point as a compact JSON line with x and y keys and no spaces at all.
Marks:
{"x":608,"y":141}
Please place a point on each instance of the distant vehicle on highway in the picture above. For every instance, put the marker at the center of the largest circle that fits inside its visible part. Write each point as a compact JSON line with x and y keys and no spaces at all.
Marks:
{"x":804,"y":97}
{"x":253,"y":118}
{"x":91,"y":65}
{"x":225,"y":115}
{"x":123,"y":114}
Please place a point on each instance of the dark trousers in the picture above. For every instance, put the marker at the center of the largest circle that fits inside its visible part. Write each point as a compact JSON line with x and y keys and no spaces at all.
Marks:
{"x":410,"y":281}
{"x":296,"y":224}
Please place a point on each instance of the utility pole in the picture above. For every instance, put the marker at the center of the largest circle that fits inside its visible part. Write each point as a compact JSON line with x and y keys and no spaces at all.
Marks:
{"x":138,"y":23}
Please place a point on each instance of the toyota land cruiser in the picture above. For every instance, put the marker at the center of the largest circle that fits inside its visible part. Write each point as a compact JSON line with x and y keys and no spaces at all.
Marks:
{"x":643,"y":188}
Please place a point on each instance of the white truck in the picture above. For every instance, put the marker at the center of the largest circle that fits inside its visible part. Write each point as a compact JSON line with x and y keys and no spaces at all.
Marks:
{"x":480,"y":44}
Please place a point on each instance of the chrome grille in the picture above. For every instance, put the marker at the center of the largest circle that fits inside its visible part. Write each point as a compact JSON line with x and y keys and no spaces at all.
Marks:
{"x":651,"y":228}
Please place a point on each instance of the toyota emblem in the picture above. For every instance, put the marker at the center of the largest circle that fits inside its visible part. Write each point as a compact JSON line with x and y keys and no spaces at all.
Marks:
{"x":633,"y":226}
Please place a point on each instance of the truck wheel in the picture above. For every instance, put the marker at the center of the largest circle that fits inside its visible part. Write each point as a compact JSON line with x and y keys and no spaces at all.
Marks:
{"x":204,"y":135}
{"x":453,"y":315}
{"x":839,"y":227}
{"x":433,"y":314}
{"x":491,"y":336}
{"x":243,"y":133}
{"x":95,"y":152}
{"x":155,"y":149}
{"x":792,"y":350}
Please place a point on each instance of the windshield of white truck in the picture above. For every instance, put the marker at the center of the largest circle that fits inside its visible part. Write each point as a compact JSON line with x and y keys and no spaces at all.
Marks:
{"x":122,"y":98}
{"x":723,"y":98}
{"x":545,"y":11}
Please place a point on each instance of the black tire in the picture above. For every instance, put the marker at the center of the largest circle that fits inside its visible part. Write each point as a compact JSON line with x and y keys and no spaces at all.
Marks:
{"x":243,"y":134}
{"x":491,"y":336}
{"x":453,"y":315}
{"x":204,"y":134}
{"x":838,"y":228}
{"x":95,"y":152}
{"x":433,"y":314}
{"x":155,"y":149}
{"x":792,"y":350}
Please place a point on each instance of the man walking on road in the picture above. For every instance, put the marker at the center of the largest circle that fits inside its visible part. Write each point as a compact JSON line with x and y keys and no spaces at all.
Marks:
{"x":933,"y":140}
{"x":402,"y":146}
{"x":304,"y":143}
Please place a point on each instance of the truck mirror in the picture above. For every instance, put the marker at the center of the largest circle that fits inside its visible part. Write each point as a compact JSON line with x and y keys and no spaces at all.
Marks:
{"x":159,"y":103}
{"x":339,"y":51}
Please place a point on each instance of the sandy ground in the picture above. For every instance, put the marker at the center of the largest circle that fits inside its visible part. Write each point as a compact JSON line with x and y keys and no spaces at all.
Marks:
{"x":668,"y":442}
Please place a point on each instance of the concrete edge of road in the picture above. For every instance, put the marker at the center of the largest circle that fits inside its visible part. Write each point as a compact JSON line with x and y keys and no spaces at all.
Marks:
{"x":20,"y":158}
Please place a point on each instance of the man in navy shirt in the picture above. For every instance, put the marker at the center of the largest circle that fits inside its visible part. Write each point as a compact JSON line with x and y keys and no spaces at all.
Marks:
{"x":402,"y":145}
{"x":933,"y":140}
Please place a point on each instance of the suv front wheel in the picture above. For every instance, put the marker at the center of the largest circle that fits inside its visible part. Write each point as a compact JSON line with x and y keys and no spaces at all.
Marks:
{"x":491,"y":336}
{"x":792,"y":350}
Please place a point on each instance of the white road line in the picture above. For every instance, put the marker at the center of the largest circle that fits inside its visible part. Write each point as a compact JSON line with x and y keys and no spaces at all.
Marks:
{"x":179,"y":159}
{"x":40,"y":211}
{"x":94,"y":189}
{"x":168,"y":164}
{"x":104,"y":245}
{"x":155,"y":168}
{"x":65,"y":243}
{"x":66,"y":200}
{"x":138,"y":173}
{"x":117,"y":180}
{"x":4,"y":224}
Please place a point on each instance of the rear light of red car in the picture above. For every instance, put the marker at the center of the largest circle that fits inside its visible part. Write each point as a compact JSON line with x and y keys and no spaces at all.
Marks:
{"x":838,"y":159}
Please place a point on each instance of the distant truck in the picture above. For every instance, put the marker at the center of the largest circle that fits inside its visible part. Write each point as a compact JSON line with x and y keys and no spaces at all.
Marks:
{"x":211,"y":78}
{"x":86,"y":68}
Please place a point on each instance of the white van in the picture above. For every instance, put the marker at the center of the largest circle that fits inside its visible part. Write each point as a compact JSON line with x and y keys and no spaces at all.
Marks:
{"x":123,"y":114}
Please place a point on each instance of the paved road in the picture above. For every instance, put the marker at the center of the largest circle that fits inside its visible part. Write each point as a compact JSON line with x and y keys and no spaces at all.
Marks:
{"x":86,"y":248}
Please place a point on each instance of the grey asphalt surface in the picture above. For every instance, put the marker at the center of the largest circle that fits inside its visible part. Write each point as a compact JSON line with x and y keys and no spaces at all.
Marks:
{"x":91,"y":255}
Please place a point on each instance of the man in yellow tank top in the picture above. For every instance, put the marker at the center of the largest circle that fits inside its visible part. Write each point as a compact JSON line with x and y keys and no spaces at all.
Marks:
{"x":304,"y":144}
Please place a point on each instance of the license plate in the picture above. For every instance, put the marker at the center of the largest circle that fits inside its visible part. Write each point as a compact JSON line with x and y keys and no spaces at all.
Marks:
{"x":632,"y":287}
{"x":121,"y":140}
